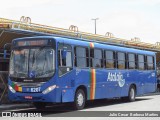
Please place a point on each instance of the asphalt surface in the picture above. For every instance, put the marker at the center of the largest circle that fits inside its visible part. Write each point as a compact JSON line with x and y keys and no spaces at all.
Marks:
{"x":142,"y":103}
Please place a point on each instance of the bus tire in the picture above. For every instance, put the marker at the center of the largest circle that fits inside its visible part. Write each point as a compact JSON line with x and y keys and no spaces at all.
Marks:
{"x":79,"y":100}
{"x":39,"y":105}
{"x":131,"y":94}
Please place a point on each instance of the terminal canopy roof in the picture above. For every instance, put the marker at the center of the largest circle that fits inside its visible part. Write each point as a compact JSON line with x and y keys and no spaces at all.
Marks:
{"x":11,"y":29}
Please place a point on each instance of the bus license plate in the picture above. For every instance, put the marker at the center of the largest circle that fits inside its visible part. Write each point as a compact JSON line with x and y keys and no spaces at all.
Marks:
{"x":28,"y":97}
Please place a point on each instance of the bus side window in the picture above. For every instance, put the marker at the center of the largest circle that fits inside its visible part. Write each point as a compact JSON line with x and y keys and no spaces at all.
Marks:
{"x":81,"y":57}
{"x":65,"y":63}
{"x":96,"y":58}
{"x":121,"y":60}
{"x":141,"y":62}
{"x":109,"y":59}
{"x":150,"y":62}
{"x":132,"y":61}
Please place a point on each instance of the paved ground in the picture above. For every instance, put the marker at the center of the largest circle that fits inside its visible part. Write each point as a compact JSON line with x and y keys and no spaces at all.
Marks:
{"x":144,"y":103}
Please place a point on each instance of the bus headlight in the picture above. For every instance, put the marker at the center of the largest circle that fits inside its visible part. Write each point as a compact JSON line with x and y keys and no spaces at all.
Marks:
{"x":49,"y":89}
{"x":11,"y":89}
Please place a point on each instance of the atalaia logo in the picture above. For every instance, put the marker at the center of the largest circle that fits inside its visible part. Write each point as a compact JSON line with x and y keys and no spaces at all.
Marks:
{"x":116,"y":77}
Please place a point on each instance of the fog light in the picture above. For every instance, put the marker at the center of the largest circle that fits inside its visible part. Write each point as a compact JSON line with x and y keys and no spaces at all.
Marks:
{"x":49,"y":89}
{"x":11,"y":89}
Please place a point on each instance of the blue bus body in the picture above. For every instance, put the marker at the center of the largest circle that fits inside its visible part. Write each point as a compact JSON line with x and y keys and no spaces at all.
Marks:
{"x":98,"y":83}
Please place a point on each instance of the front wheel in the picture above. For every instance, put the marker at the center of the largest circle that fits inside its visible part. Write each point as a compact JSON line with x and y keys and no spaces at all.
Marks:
{"x":80,"y":99}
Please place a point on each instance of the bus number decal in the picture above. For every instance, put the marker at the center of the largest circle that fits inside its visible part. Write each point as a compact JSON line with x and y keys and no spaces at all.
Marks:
{"x":35,"y":89}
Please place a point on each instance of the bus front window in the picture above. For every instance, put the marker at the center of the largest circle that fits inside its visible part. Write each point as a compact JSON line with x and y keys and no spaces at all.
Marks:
{"x":19,"y":63}
{"x":32,"y":63}
{"x":41,"y":63}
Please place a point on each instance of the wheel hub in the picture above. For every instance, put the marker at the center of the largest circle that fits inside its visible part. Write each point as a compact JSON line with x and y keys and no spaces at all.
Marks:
{"x":80,"y":99}
{"x":132,"y":93}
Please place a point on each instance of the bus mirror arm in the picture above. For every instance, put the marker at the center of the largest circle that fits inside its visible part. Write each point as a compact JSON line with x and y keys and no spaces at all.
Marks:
{"x":5,"y":50}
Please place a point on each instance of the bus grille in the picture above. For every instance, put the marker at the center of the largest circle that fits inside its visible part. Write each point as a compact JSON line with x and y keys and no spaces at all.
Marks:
{"x":21,"y":84}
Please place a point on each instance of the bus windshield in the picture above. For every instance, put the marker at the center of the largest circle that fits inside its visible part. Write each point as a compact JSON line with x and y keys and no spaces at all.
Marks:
{"x":32,"y":63}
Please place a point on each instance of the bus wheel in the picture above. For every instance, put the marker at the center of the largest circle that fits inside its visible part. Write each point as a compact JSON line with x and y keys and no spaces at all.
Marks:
{"x":79,"y":100}
{"x":131,"y":94}
{"x":39,"y":105}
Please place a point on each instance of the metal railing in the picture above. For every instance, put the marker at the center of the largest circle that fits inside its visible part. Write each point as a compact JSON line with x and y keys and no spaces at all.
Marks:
{"x":4,"y":55}
{"x":3,"y":87}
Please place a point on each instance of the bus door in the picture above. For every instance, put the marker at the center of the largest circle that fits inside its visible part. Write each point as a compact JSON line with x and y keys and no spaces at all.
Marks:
{"x":65,"y":66}
{"x":150,"y":82}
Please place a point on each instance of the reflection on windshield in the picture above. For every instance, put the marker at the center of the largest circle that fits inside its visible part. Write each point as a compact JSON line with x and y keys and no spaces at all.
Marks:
{"x":19,"y":62}
{"x":33,"y":63}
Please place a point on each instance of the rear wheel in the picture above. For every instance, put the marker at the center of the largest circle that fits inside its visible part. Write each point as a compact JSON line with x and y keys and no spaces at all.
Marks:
{"x":132,"y":94}
{"x":80,"y":99}
{"x":39,"y":105}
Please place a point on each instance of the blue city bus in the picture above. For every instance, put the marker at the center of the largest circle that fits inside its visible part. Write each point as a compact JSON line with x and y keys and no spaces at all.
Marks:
{"x":49,"y":69}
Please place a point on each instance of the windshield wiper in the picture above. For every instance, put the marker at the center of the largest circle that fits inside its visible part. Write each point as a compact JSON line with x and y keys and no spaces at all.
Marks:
{"x":44,"y":62}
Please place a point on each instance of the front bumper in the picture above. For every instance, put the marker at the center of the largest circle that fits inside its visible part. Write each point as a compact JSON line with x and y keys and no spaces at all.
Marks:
{"x":53,"y":96}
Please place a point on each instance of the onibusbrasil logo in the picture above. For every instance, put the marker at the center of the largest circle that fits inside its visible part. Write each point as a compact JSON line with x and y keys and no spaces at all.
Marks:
{"x":116,"y":77}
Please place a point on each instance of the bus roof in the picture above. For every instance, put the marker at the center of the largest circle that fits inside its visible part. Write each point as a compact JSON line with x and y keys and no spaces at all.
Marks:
{"x":104,"y":46}
{"x":83,"y":42}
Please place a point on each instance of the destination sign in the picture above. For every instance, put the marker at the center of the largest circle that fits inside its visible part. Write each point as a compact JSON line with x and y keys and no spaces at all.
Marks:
{"x":32,"y":43}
